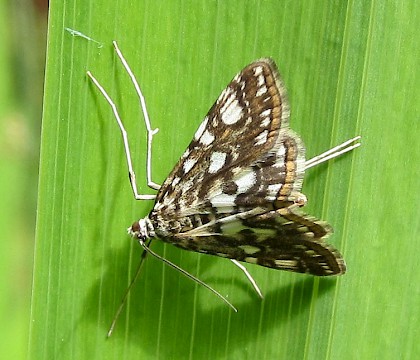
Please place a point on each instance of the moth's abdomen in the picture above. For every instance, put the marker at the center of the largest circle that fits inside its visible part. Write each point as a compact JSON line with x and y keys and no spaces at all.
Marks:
{"x":172,"y":226}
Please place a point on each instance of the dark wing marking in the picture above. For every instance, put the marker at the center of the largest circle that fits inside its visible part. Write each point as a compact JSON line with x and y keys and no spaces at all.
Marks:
{"x":245,"y":133}
{"x":285,"y":239}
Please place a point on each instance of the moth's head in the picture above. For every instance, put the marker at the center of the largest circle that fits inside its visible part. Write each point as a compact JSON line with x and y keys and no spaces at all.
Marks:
{"x":141,"y":229}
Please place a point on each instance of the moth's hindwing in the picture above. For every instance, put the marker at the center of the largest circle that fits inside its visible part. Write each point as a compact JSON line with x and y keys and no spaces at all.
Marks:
{"x":281,"y":239}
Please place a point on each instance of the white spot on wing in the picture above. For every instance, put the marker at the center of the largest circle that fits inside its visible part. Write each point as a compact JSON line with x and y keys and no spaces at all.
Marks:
{"x":249,"y":249}
{"x":222,"y":255}
{"x":265,"y":113}
{"x":230,"y":227}
{"x":286,"y":263}
{"x":188,"y":164}
{"x":201,"y":128}
{"x":280,"y":154}
{"x":223,"y":96}
{"x":175,"y":181}
{"x":281,"y":151}
{"x":245,"y":182}
{"x":266,"y":116}
{"x":232,"y":114}
{"x":225,"y":210}
{"x":186,"y":153}
{"x":251,"y":260}
{"x":261,"y":91}
{"x":261,"y":138}
{"x":273,"y":189}
{"x":186,"y":187}
{"x":223,"y":200}
{"x":217,"y":160}
{"x":265,"y":122}
{"x":207,"y":138}
{"x":258,"y":70}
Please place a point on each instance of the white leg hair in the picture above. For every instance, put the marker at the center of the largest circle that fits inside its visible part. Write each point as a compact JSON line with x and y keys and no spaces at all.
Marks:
{"x":249,"y":276}
{"x":150,"y":132}
{"x":332,"y":153}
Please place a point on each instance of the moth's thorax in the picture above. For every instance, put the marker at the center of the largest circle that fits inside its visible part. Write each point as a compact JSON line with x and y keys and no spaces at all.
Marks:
{"x":142,"y":229}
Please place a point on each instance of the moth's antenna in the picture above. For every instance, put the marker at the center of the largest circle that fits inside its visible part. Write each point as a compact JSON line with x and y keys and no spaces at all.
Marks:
{"x":334,"y":152}
{"x":127,"y":291}
{"x":185,"y":273}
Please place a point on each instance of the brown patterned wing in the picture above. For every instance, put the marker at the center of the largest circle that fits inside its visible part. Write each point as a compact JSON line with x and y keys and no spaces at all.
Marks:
{"x":284,"y":239}
{"x":247,"y":125}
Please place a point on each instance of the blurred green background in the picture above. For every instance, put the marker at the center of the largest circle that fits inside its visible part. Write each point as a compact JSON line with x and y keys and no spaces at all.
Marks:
{"x":23,"y":30}
{"x":351,"y":67}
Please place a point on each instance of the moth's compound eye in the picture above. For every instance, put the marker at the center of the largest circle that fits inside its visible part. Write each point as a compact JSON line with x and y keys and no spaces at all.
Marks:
{"x":134,"y":229}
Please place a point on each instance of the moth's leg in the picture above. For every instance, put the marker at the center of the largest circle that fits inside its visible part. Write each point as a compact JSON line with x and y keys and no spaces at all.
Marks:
{"x":249,"y":276}
{"x":185,"y":273}
{"x":125,"y":140}
{"x":150,"y":131}
{"x":334,"y":152}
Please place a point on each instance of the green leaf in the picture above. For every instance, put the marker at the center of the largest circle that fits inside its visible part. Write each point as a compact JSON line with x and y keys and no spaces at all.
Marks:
{"x":350,"y":68}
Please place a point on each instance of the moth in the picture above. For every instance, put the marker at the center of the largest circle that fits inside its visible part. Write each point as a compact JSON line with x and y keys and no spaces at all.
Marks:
{"x":236,"y":191}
